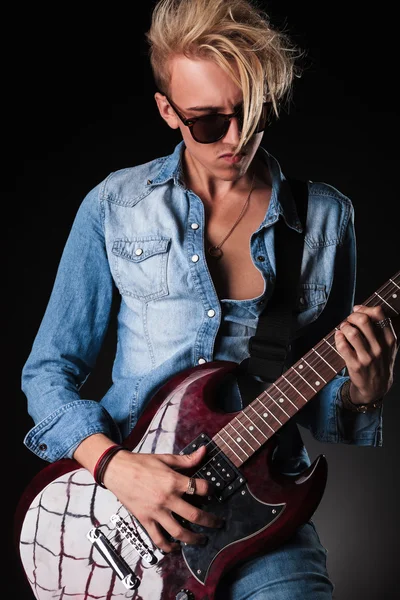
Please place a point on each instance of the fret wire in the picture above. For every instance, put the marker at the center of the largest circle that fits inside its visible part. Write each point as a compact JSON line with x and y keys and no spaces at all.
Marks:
{"x":327,"y":340}
{"x":372,"y":298}
{"x":229,"y":448}
{"x":391,"y":307}
{"x":261,"y":417}
{"x":282,"y":392}
{"x":282,"y":389}
{"x":333,"y":348}
{"x":326,"y":348}
{"x":218,"y":450}
{"x":247,"y":430}
{"x":264,"y":407}
{"x":383,"y":287}
{"x":233,"y":440}
{"x":294,"y":388}
{"x":300,"y":375}
{"x":245,"y":426}
{"x":325,"y":361}
{"x":381,"y":292}
{"x":320,"y":376}
{"x":251,"y":421}
{"x":398,"y":286}
{"x":326,"y":351}
{"x":313,"y":357}
{"x":278,"y":405}
{"x":316,"y":361}
{"x":241,"y":437}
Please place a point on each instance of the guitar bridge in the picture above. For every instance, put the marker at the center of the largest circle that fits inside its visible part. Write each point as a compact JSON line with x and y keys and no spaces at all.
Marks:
{"x":219,"y":470}
{"x":117,"y":564}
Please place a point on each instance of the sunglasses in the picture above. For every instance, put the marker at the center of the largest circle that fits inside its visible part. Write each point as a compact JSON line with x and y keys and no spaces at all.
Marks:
{"x":210,"y":128}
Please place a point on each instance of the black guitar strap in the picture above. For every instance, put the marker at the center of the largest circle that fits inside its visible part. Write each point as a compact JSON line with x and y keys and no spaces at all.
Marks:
{"x":270,"y":344}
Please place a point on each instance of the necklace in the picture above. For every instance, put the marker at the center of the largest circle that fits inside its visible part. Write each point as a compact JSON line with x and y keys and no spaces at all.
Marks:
{"x":215,"y":251}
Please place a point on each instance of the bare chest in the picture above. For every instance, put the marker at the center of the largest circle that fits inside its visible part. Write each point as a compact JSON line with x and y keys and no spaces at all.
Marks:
{"x":234,"y":275}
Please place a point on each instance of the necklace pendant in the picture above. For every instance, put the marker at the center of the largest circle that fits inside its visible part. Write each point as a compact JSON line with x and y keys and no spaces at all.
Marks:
{"x":215,"y":252}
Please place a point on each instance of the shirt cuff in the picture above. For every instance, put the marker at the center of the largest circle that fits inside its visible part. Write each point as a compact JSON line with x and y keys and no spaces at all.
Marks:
{"x":361,"y":429}
{"x":62,"y":431}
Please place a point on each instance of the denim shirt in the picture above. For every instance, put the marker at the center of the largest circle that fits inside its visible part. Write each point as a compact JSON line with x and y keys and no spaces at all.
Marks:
{"x":140,"y":233}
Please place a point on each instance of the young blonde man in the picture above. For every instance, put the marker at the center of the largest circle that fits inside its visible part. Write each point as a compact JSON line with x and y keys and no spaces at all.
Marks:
{"x":187,"y":242}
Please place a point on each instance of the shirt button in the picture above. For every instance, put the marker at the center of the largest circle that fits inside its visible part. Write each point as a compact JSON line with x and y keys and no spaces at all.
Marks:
{"x":195,"y":257}
{"x":138,"y":251}
{"x":194,"y":226}
{"x":43,"y":447}
{"x":260,"y":258}
{"x":201,"y":361}
{"x":211,"y":312}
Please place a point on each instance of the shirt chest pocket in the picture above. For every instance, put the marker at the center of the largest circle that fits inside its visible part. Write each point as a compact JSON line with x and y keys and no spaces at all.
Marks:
{"x":310,"y":302}
{"x":140,"y":266}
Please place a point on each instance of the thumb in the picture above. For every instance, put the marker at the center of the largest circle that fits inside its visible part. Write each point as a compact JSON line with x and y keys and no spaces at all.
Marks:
{"x":185,"y":461}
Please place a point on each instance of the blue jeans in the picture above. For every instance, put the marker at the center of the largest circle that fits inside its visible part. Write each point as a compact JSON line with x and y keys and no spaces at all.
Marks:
{"x":295,"y":571}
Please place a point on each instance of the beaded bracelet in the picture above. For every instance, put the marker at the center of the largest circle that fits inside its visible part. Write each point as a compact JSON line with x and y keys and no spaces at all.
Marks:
{"x":100,"y":467}
{"x":360,"y":408}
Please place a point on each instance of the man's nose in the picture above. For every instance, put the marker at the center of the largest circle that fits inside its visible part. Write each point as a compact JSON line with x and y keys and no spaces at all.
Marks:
{"x":233,"y":134}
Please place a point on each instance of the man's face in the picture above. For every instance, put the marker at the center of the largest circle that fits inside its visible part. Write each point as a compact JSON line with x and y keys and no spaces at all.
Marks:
{"x":202,"y":84}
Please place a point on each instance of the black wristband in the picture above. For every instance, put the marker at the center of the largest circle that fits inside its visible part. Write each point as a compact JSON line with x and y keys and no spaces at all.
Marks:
{"x":349,"y":405}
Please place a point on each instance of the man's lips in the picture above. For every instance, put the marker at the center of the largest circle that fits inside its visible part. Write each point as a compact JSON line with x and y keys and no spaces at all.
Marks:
{"x":231,"y":158}
{"x":230,"y":154}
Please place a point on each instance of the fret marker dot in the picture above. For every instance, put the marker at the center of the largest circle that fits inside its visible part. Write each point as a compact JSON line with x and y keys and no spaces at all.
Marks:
{"x":317,"y":383}
{"x":281,"y":400}
{"x":251,"y":428}
{"x":300,"y":366}
{"x":238,"y":439}
{"x":394,"y":296}
{"x":265,"y":415}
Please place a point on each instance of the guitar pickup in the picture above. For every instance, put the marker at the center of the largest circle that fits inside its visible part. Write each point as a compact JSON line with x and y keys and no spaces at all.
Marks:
{"x":218,"y":470}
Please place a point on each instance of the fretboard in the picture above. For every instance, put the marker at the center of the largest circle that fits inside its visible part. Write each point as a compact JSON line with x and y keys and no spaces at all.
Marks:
{"x":281,"y":400}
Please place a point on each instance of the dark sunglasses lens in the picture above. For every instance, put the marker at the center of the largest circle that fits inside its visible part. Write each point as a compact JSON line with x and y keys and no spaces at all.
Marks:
{"x":210,"y":129}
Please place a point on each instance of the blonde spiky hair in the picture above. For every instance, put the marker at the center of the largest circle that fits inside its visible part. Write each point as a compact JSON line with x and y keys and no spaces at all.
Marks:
{"x":230,"y":33}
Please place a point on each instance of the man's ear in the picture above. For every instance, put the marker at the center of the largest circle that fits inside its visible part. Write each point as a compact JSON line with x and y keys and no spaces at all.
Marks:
{"x":166,"y":110}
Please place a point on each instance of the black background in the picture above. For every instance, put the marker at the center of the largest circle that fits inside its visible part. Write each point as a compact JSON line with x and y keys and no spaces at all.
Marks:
{"x":82,"y":105}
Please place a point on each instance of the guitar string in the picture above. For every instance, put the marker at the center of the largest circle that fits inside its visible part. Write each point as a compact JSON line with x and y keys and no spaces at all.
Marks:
{"x":324,"y":353}
{"x":373,"y":298}
{"x":311,"y":359}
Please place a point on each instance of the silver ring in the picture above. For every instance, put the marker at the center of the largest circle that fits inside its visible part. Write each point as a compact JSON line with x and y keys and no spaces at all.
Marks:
{"x":191,"y":488}
{"x":384,"y":323}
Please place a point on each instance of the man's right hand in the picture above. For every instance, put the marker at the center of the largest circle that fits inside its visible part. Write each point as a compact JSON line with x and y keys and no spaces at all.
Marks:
{"x":151,"y":486}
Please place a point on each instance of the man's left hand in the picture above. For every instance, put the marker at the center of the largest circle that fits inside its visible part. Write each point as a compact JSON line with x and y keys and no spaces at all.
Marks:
{"x":369,"y":352}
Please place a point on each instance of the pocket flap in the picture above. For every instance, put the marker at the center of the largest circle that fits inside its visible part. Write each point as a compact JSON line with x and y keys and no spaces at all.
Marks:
{"x":311,"y":294}
{"x":139,"y":249}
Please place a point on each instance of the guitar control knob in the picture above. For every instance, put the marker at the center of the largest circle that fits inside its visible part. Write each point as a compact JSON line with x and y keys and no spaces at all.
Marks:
{"x":184,"y":595}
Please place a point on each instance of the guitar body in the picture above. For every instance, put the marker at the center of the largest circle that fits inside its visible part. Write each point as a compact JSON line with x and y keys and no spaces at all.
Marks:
{"x":63,"y":504}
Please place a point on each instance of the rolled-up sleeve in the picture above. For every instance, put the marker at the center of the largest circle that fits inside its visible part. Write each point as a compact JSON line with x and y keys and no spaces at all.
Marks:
{"x":68,"y":341}
{"x":325,"y":416}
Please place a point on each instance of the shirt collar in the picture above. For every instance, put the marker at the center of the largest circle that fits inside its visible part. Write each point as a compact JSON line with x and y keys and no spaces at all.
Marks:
{"x":281,"y":203}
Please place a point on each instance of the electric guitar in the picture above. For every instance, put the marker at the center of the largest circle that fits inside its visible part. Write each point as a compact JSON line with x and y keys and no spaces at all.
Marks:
{"x":76,"y":540}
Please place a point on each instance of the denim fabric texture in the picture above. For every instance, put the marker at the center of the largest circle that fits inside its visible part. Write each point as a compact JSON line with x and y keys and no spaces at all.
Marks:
{"x":140,"y":232}
{"x":297,"y":570}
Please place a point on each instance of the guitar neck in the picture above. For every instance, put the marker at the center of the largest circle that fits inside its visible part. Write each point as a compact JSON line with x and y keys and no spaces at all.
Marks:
{"x":281,"y":400}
